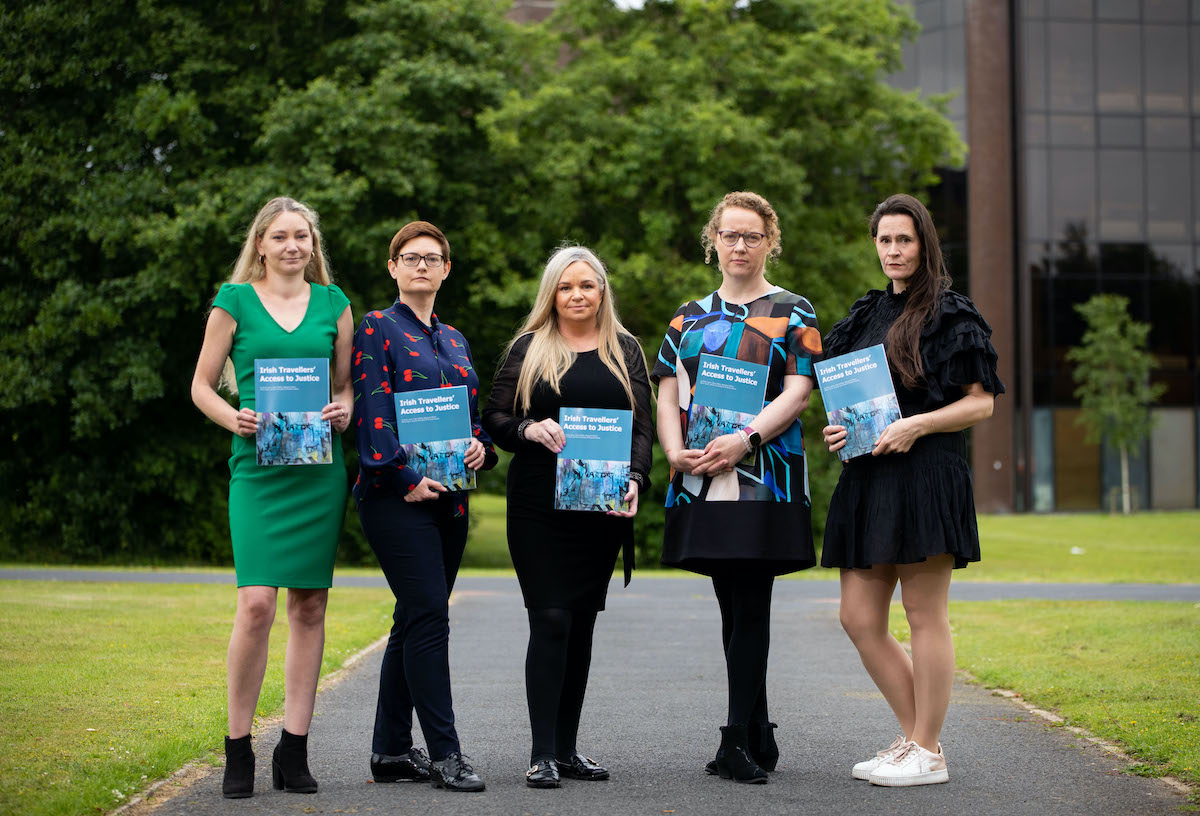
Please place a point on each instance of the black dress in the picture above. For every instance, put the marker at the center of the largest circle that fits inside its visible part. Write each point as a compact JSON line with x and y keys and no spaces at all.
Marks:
{"x":563,"y":558}
{"x":901,"y":508}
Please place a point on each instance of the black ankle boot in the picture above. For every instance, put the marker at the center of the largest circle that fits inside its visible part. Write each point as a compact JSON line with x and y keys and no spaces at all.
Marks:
{"x":289,"y":765}
{"x":761,"y":739}
{"x":733,"y":757}
{"x":239,"y":768}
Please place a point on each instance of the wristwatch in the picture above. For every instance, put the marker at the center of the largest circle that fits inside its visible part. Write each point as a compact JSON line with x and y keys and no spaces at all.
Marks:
{"x":754,"y":437}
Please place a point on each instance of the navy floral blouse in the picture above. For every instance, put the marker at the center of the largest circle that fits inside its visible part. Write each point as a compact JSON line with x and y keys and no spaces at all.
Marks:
{"x":395,"y":351}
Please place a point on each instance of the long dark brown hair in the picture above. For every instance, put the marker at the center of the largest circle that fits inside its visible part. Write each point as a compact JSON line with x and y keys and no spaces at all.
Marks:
{"x":924,"y":288}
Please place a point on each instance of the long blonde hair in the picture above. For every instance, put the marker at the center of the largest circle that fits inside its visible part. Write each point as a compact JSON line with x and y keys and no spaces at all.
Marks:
{"x":249,"y":266}
{"x":548,"y":356}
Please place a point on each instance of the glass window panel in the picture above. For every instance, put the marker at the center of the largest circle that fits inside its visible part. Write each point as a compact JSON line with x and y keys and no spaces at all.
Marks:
{"x":1196,"y":61}
{"x":1033,"y":8}
{"x":1196,"y":197}
{"x":906,"y":78}
{"x":1073,"y":193}
{"x":1166,"y":81}
{"x":1110,"y":464}
{"x":1170,"y":262}
{"x":1117,"y":9}
{"x":1043,"y":389}
{"x":1070,"y":63}
{"x":1169,"y":205}
{"x":1076,"y":464}
{"x":1037,"y":194}
{"x":1070,"y":9}
{"x":1073,"y":131}
{"x":929,"y":13}
{"x":1043,"y":357}
{"x":1168,"y":131}
{"x":1119,"y":72}
{"x":1172,"y":338}
{"x":1041,"y":462}
{"x":1196,"y":130}
{"x":931,"y":74}
{"x":1120,"y":131}
{"x":1173,"y":459}
{"x":1165,"y":11}
{"x":955,"y":11}
{"x":1075,"y":259}
{"x":1034,"y":127}
{"x":1133,"y":290}
{"x":1033,"y":66}
{"x":956,"y":70}
{"x":1122,"y":203}
{"x":1123,"y":260}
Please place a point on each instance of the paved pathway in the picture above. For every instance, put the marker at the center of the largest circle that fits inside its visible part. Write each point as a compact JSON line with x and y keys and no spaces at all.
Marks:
{"x":655,"y":701}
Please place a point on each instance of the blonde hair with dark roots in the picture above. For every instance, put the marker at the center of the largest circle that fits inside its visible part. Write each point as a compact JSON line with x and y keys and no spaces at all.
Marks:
{"x":548,"y":356}
{"x":746,"y":200}
{"x":249,"y":266}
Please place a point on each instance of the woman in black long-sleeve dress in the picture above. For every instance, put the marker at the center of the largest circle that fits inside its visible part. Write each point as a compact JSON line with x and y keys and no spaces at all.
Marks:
{"x":574,"y":352}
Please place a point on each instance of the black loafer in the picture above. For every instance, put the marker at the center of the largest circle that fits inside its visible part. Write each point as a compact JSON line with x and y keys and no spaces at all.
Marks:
{"x":542,"y":774}
{"x":578,"y":766}
{"x":455,"y":773}
{"x":411,"y":766}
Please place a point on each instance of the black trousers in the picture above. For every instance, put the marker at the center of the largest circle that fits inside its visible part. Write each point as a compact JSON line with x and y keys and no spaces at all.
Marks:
{"x":744,"y":594}
{"x":419,"y":546}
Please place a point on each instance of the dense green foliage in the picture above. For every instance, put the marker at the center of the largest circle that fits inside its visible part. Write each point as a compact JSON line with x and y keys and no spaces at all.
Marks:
{"x":138,"y":140}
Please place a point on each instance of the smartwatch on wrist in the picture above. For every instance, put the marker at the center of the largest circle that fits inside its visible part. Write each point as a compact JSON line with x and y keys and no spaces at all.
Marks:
{"x":754,"y":437}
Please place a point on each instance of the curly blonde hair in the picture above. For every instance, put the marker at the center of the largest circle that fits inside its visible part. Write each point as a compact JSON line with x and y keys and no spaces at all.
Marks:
{"x":746,"y":200}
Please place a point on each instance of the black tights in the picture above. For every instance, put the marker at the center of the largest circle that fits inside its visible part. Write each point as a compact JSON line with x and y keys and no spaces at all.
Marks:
{"x":556,"y":673}
{"x":745,"y":599}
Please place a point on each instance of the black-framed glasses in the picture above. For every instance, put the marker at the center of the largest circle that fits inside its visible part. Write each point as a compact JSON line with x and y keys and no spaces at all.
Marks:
{"x":730,"y":238}
{"x":432,"y":260}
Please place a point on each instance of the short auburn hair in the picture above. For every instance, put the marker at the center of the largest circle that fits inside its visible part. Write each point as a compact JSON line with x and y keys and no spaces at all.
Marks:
{"x":415,"y":229}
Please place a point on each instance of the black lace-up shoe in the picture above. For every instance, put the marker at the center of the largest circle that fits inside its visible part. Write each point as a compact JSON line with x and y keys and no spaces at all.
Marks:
{"x":411,"y":766}
{"x":455,"y":773}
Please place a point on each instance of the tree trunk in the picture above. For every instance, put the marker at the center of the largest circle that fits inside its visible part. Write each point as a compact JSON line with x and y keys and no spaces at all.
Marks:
{"x":1125,"y":480}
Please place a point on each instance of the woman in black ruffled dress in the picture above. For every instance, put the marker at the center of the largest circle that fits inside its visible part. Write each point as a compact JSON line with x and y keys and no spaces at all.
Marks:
{"x":906,"y":512}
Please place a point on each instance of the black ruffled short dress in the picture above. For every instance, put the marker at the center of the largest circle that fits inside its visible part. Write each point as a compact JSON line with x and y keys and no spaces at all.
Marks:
{"x":902,"y":508}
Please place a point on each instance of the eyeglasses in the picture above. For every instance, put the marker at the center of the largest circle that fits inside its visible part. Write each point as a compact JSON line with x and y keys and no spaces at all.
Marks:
{"x":432,"y":260}
{"x":730,"y":238}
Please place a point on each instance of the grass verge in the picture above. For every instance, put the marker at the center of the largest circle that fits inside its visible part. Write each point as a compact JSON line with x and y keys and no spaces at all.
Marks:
{"x":1127,"y":671}
{"x":106,"y":687}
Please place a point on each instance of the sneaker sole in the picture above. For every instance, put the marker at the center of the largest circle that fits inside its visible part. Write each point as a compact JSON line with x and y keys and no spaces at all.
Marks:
{"x":863,"y":775}
{"x":931,"y":778}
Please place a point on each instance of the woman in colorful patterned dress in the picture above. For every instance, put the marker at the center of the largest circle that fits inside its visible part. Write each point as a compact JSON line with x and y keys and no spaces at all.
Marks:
{"x":574,"y":352}
{"x":907,"y":513}
{"x":284,"y":520}
{"x":738,"y":509}
{"x":416,"y":525}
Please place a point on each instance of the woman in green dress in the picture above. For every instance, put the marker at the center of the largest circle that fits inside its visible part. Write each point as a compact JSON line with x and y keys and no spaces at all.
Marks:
{"x":284,"y":520}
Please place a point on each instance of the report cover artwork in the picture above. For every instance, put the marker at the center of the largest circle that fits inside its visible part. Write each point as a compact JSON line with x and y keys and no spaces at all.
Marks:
{"x":289,"y":394}
{"x":592,"y":472}
{"x":858,"y":393}
{"x":434,"y":426}
{"x":729,"y":395}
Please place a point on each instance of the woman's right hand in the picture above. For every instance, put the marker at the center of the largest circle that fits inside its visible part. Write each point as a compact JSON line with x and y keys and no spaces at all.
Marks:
{"x":548,"y":433}
{"x":835,"y":437}
{"x":247,"y":422}
{"x":684,"y":460}
{"x":425,"y":490}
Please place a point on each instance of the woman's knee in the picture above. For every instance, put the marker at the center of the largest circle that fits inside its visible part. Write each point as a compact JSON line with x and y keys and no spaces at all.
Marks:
{"x":307,"y":608}
{"x":862,"y":625}
{"x":256,"y":610}
{"x":550,"y":625}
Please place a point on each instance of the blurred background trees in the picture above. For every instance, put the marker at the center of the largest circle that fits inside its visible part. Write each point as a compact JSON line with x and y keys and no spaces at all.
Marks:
{"x":139,"y":139}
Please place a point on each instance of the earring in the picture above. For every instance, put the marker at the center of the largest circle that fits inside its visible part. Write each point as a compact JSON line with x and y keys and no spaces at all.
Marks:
{"x":262,"y":260}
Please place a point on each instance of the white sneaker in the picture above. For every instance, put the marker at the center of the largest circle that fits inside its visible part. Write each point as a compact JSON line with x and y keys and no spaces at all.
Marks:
{"x":912,"y":765}
{"x":863,"y":769}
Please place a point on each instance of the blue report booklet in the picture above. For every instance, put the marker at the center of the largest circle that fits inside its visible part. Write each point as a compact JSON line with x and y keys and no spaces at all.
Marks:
{"x":592,"y":472}
{"x":858,"y":392}
{"x":434,"y":426}
{"x":728,"y":396}
{"x":289,"y":394}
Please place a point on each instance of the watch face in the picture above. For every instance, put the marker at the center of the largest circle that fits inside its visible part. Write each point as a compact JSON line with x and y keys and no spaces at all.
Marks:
{"x":755,"y":438}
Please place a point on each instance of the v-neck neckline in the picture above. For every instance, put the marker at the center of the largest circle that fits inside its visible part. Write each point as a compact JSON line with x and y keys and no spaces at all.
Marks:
{"x":307,"y":308}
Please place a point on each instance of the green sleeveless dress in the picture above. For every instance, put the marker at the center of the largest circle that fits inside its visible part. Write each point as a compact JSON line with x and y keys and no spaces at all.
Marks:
{"x":284,"y":520}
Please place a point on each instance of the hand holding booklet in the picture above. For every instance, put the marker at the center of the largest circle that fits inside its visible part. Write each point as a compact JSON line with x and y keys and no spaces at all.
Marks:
{"x":434,"y":426}
{"x":858,"y":393}
{"x":729,"y":395}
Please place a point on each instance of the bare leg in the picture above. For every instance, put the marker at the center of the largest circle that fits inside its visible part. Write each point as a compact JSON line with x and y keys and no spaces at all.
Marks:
{"x":926,"y":591}
{"x":866,"y":597}
{"x":302,"y":667}
{"x":246,"y":661}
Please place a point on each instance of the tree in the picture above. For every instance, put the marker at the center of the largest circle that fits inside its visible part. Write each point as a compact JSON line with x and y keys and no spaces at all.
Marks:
{"x":1112,"y":368}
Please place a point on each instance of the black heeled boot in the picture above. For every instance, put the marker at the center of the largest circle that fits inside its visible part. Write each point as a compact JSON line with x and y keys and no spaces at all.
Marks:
{"x":239,"y":768}
{"x":289,"y":765}
{"x":733,"y":757}
{"x":763,"y":748}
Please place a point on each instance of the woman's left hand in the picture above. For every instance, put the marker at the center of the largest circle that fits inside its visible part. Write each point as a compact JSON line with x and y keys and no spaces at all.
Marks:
{"x":721,"y":455}
{"x":338,"y":415}
{"x":900,"y":435}
{"x":475,"y":455}
{"x":632,"y":498}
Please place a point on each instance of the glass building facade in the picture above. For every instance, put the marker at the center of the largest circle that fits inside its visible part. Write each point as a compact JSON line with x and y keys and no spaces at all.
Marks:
{"x":1104,"y":97}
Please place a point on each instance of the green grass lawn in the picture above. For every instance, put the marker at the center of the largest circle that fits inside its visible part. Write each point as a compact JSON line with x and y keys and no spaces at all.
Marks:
{"x":107,"y":687}
{"x":1128,"y":671}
